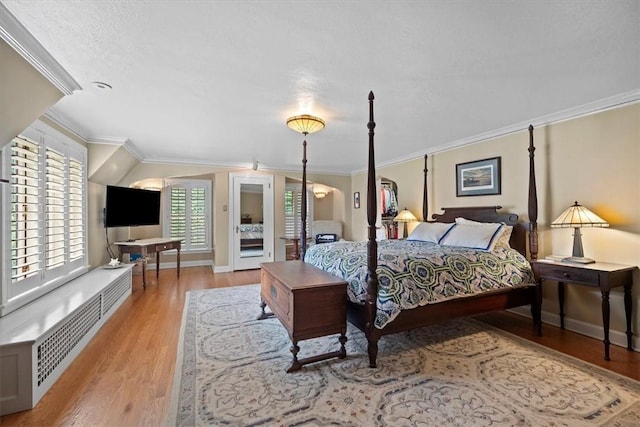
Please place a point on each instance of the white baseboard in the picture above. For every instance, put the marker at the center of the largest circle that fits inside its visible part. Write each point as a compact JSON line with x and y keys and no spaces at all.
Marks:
{"x":222,"y":269}
{"x":616,"y":337}
{"x":165,"y":265}
{"x":201,"y":263}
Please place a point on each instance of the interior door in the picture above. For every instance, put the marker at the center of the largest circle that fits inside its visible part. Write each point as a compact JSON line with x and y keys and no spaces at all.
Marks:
{"x":251,"y":221}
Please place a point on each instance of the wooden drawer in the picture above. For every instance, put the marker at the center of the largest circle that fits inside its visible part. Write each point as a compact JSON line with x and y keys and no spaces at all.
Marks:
{"x":568,"y":274}
{"x":277,"y":297}
{"x":165,"y":246}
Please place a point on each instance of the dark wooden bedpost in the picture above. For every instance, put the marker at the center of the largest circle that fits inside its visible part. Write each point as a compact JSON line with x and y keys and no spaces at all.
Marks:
{"x":425,"y":192}
{"x":372,"y":245}
{"x":303,"y":204}
{"x":536,"y":306}
{"x":533,"y":201}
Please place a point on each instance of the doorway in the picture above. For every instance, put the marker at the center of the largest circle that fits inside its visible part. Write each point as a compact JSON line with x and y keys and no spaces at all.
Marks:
{"x":251,"y":221}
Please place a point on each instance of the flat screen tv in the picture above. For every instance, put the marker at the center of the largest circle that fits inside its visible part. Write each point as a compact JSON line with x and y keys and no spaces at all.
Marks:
{"x":129,"y":207}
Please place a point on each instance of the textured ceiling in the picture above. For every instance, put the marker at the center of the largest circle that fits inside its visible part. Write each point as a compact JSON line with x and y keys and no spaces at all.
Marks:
{"x":212,"y":82}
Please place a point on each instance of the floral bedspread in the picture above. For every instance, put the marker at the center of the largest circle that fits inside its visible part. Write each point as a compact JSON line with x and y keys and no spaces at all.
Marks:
{"x":414,"y":273}
{"x":251,"y":231}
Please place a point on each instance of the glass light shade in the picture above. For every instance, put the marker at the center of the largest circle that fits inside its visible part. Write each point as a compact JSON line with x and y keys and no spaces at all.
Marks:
{"x":405,"y":215}
{"x":305,"y":123}
{"x":579,"y":216}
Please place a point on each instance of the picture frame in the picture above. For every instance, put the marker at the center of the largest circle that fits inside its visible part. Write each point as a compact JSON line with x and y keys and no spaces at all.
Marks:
{"x":356,"y":200}
{"x":479,"y":177}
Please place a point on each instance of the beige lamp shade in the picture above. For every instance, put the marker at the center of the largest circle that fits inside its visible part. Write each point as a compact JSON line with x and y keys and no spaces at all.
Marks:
{"x":579,"y":216}
{"x":405,"y":216}
{"x":305,"y":123}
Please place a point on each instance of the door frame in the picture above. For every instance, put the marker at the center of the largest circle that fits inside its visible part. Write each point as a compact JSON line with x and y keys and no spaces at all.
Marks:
{"x":268,"y":218}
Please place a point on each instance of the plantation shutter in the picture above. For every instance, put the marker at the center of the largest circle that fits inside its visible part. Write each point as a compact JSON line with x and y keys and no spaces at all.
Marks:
{"x":44,"y":222}
{"x":178,"y":216}
{"x":187,"y":216}
{"x":25,"y":210}
{"x":198,"y":218}
{"x":76,"y":210}
{"x":293,"y":209}
{"x":55,"y":247}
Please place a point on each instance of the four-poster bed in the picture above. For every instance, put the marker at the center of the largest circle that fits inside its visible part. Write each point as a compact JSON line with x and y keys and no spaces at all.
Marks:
{"x":399,"y":303}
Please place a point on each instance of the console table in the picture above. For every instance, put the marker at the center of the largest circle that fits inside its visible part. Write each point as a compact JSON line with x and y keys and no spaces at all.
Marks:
{"x":599,"y":275}
{"x":146,"y":247}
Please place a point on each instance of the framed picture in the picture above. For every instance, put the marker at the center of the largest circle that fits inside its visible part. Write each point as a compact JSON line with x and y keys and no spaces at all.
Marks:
{"x":478,"y":178}
{"x":356,"y":200}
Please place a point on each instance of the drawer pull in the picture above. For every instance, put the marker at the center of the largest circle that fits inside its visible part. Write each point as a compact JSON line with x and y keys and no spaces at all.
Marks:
{"x":566,"y":275}
{"x":273,"y":291}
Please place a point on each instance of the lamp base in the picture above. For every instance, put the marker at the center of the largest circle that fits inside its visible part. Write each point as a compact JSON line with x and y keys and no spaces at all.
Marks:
{"x":578,"y":260}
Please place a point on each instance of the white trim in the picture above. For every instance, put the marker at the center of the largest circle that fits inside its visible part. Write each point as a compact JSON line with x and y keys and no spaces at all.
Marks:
{"x":21,"y":40}
{"x":66,"y":124}
{"x":230,"y":165}
{"x":183,"y":264}
{"x":599,"y":106}
{"x":618,"y":338}
{"x":222,"y":269}
{"x":122,"y":142}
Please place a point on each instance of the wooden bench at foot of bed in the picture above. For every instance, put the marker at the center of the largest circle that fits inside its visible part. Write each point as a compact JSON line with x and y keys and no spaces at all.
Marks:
{"x":309,"y":303}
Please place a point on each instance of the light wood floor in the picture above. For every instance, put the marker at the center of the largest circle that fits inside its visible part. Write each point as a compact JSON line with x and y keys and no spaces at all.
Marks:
{"x":124,"y":376}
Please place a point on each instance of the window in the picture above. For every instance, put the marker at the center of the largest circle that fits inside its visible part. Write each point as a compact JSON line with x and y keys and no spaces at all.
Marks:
{"x":292,"y":209}
{"x":44,"y":219}
{"x":187,"y":213}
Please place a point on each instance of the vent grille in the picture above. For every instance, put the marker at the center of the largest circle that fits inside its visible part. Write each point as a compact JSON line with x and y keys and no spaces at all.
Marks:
{"x":60,"y":343}
{"x":52,"y":351}
{"x":114,"y":292}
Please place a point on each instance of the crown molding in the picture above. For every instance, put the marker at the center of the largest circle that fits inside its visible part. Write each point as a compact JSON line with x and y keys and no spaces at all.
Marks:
{"x":66,"y":124}
{"x":21,"y":40}
{"x":123,"y":142}
{"x":595,"y":107}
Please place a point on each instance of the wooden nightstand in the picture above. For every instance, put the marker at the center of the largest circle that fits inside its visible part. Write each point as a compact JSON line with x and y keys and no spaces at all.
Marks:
{"x":600,"y":275}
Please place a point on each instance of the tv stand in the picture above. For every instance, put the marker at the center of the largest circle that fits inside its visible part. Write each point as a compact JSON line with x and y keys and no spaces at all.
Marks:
{"x":146,"y":247}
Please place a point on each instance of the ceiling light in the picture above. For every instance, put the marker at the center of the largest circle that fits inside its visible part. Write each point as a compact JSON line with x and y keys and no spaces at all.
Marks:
{"x":101,"y":85}
{"x":305,"y":123}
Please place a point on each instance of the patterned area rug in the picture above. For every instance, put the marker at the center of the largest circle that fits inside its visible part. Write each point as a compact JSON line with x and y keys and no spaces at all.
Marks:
{"x":231,"y":371}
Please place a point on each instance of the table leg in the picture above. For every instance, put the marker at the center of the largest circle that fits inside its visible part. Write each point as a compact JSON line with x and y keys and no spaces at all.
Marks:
{"x":157,"y":264}
{"x":605,"y":322}
{"x":264,"y":315}
{"x":295,"y":364}
{"x":561,"y":302}
{"x":627,"y":312}
{"x":343,"y":341}
{"x":144,"y":271}
{"x":296,"y":250}
{"x":178,"y":261}
{"x":536,"y":308}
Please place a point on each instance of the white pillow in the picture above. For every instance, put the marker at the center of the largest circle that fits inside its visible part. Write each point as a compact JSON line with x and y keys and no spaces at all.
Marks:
{"x":430,"y":231}
{"x":501,"y":241}
{"x":472,"y":236}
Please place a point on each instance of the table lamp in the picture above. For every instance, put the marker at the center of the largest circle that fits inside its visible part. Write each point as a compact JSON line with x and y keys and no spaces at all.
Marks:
{"x":405,"y":216}
{"x":578,"y":216}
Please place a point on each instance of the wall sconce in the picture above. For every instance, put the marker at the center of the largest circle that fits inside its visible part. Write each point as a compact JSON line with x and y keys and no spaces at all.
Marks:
{"x":320,"y":194}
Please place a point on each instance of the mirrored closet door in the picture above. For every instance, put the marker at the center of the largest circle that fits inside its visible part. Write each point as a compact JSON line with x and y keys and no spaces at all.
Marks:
{"x":251,"y":221}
